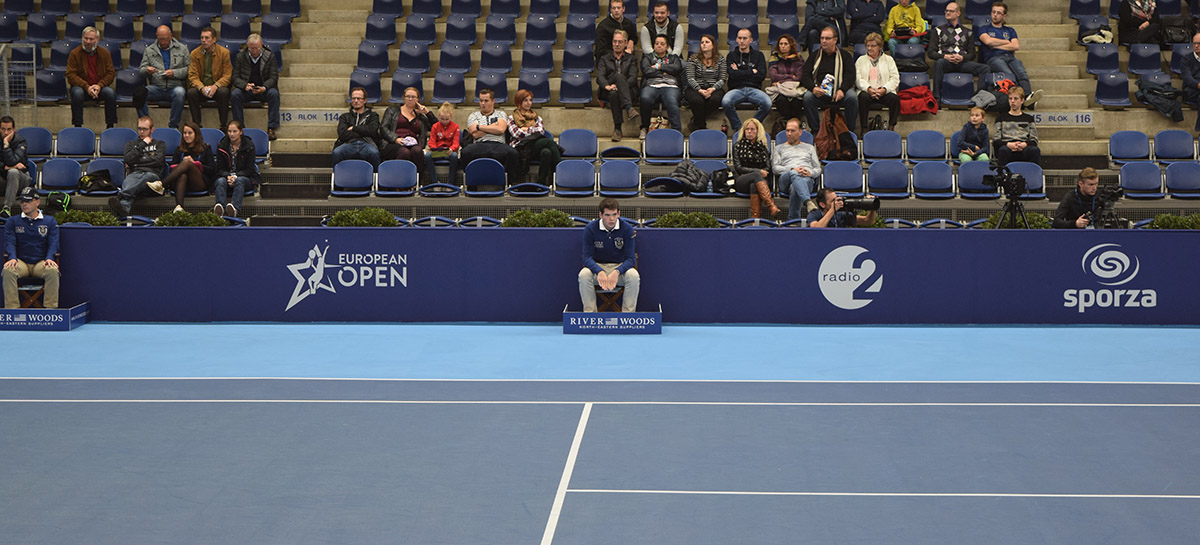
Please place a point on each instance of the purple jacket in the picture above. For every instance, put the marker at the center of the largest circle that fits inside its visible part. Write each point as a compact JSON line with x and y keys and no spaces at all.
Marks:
{"x":786,"y":70}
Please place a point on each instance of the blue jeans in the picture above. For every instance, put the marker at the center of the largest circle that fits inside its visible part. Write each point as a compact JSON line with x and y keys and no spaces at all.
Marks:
{"x":162,"y":94}
{"x":752,"y":95}
{"x":107,"y":95}
{"x":669,"y":96}
{"x":239,"y":96}
{"x":1013,"y":67}
{"x":135,"y":182}
{"x":429,"y":167}
{"x":892,"y":42}
{"x":813,"y":106}
{"x":357,"y":149}
{"x":222,"y":191}
{"x":802,"y":188}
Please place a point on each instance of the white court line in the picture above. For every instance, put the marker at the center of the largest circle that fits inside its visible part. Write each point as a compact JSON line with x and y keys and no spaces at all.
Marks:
{"x":888,"y":494}
{"x":569,"y":402}
{"x":561,"y":494}
{"x":604,"y":380}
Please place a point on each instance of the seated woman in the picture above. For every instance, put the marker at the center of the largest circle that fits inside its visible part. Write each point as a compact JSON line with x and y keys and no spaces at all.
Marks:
{"x":752,"y":167}
{"x":878,"y":80}
{"x":662,"y":74}
{"x":236,"y":170}
{"x":531,"y":140}
{"x":904,"y":24}
{"x":706,"y":78}
{"x":1138,"y":22}
{"x":404,"y":128}
{"x":444,"y":142}
{"x":193,"y":167}
{"x":787,"y":96}
{"x":1016,"y":134}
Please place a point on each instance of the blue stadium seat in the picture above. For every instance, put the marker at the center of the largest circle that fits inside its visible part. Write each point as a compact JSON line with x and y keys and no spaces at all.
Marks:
{"x":112,"y":141}
{"x":913,"y":79}
{"x":9,"y":29}
{"x":174,"y":8}
{"x":536,"y":82}
{"x":1174,"y":145}
{"x":191,"y":24}
{"x":428,"y":7}
{"x":1169,"y":8}
{"x":888,"y":179}
{"x":402,"y":80}
{"x":709,"y":8}
{"x":579,"y":144}
{"x":1088,"y":24}
{"x":738,"y":22}
{"x":500,"y":29}
{"x":389,"y":8}
{"x":620,"y":179}
{"x":250,"y":8}
{"x":276,"y":30}
{"x":782,"y":7}
{"x":1142,"y":180}
{"x":51,"y":85}
{"x":368,"y":81}
{"x":537,"y":57}
{"x":75,"y":142}
{"x":1183,"y":180}
{"x":397,"y":178}
{"x":116,"y":173}
{"x":449,"y":87}
{"x":55,"y":7}
{"x":933,"y":180}
{"x":1083,"y":8}
{"x":381,"y":29}
{"x":1103,"y":59}
{"x":977,"y":9}
{"x":455,"y":57}
{"x":213,"y":136}
{"x":136,"y":8}
{"x":18,"y":7}
{"x":925,"y":145}
{"x":882,"y":145}
{"x":466,"y":7}
{"x":75,"y":23}
{"x":41,"y":28}
{"x":414,"y":57}
{"x":957,"y":89}
{"x":128,"y":80}
{"x":352,"y":178}
{"x":701,"y":25}
{"x":481,"y":175}
{"x":60,"y":50}
{"x":578,"y":56}
{"x":1145,"y":59}
{"x":170,"y":137}
{"x":584,"y":7}
{"x":781,"y":25}
{"x":662,"y":187}
{"x":575,"y":178}
{"x":39,"y":142}
{"x":235,"y":28}
{"x":1178,"y":52}
{"x":541,"y":29}
{"x":508,"y":8}
{"x":60,"y":174}
{"x":420,"y":28}
{"x":663,"y":146}
{"x":151,"y":22}
{"x":1128,"y":146}
{"x":742,"y":7}
{"x":580,"y":28}
{"x":551,"y":8}
{"x":114,"y":51}
{"x":496,"y":81}
{"x":372,"y":57}
{"x":1112,"y":90}
{"x":708,"y":144}
{"x":575,"y":87}
{"x":286,"y":8}
{"x":495,"y":57}
{"x":460,"y":29}
{"x":209,"y":8}
{"x":1035,"y":179}
{"x":845,"y":177}
{"x":970,"y":181}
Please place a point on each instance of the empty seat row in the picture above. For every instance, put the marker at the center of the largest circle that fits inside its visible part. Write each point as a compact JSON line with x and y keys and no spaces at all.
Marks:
{"x":137,"y":8}
{"x":1169,"y":146}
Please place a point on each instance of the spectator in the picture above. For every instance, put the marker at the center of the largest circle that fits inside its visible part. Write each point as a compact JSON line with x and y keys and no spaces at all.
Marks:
{"x":1190,"y":71}
{"x":193,"y":167}
{"x":796,"y":167}
{"x":145,"y":159}
{"x":746,"y":68}
{"x":256,"y":78}
{"x":1138,"y":22}
{"x":829,"y":78}
{"x":529,"y":137}
{"x":785,"y":91}
{"x":31,"y":241}
{"x":165,"y":68}
{"x":661,"y":24}
{"x":819,"y":14}
{"x":609,"y":258}
{"x":1078,"y":207}
{"x":661,"y":75}
{"x":1000,"y":45}
{"x":973,"y":144}
{"x":617,"y":77}
{"x":706,"y":78}
{"x":830,"y":213}
{"x":90,"y":74}
{"x":752,"y":166}
{"x":13,"y":157}
{"x":489,"y":127}
{"x":209,"y":73}
{"x":444,"y":142}
{"x":1016,"y":133}
{"x":952,"y":49}
{"x":236,"y":170}
{"x":404,"y":130}
{"x":904,"y":24}
{"x":356,"y":131}
{"x":866,"y":16}
{"x":610,"y":25}
{"x":878,"y":80}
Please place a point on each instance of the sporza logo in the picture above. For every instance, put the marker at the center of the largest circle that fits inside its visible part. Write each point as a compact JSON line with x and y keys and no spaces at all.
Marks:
{"x":847,"y":277}
{"x":351,"y":270}
{"x":1110,"y":266}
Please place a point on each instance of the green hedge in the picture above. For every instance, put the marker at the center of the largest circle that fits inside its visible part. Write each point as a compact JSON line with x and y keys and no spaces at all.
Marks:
{"x":363,"y":217}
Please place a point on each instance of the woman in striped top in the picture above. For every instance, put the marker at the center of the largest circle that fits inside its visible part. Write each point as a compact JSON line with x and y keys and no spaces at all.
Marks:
{"x":705,"y":82}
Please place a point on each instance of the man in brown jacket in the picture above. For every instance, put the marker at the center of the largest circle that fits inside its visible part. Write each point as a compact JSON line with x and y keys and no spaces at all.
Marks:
{"x":209,"y":74}
{"x":90,"y":74}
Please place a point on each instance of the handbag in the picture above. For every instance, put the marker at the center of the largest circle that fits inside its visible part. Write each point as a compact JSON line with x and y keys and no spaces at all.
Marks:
{"x":658,"y":122}
{"x":99,"y":180}
{"x":902,"y":32}
{"x":722,"y":181}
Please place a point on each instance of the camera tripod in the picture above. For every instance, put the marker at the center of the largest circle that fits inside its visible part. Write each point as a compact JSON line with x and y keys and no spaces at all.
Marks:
{"x":1011,"y":209}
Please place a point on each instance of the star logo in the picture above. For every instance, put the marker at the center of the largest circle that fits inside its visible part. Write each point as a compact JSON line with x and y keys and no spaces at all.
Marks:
{"x":309,"y":284}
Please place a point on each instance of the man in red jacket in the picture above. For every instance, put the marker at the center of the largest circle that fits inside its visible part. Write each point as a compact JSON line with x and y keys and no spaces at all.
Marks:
{"x":90,"y":74}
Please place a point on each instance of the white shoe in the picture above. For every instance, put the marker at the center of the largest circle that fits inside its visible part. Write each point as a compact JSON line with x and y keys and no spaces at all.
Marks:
{"x":156,"y":186}
{"x":178,"y":208}
{"x":231,"y":211}
{"x":1033,"y":97}
{"x":219,"y":209}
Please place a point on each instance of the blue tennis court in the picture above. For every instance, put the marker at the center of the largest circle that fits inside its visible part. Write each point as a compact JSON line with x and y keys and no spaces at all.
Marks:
{"x":328,"y":433}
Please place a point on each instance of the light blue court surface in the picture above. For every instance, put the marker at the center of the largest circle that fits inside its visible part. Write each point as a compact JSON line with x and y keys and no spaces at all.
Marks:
{"x":682,"y":352}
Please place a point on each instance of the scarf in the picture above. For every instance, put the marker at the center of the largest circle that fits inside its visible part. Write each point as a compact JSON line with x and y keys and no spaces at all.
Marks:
{"x":750,"y":153}
{"x":1142,"y":9}
{"x":525,"y":120}
{"x":837,"y":67}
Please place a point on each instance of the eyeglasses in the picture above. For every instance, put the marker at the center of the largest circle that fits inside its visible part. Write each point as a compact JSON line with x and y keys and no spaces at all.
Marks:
{"x":143,"y":128}
{"x":358,"y":98}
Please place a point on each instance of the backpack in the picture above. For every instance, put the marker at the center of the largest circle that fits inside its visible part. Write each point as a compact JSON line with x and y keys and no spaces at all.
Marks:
{"x":57,"y":201}
{"x":834,"y":141}
{"x":1177,"y":29}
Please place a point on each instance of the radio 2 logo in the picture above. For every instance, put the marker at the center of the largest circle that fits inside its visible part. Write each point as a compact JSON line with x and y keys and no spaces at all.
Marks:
{"x":848,"y":278}
{"x":1110,"y":266}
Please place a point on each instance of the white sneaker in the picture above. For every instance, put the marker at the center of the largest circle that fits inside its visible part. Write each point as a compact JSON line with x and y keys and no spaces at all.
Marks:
{"x":178,"y":208}
{"x":156,"y":186}
{"x":219,"y":209}
{"x":231,"y":211}
{"x":1033,"y":97}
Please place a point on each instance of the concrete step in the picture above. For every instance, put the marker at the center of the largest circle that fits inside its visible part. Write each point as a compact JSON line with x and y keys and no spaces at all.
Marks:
{"x":339,"y":15}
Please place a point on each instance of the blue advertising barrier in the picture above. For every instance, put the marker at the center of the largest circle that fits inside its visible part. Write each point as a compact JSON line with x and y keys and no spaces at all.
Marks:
{"x":41,"y":319}
{"x":817,"y":276}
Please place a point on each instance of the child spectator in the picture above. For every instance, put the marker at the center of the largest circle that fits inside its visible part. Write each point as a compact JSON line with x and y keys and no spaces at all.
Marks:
{"x":443,"y":142}
{"x":973,"y":145}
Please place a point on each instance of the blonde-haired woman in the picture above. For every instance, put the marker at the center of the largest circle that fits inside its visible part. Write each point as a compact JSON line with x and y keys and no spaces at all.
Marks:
{"x":752,"y":167}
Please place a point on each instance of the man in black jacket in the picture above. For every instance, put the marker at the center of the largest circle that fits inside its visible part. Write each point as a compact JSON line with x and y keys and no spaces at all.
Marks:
{"x":256,"y":77}
{"x":615,"y":21}
{"x":617,"y":77}
{"x":145,"y":159}
{"x":357,"y":130}
{"x":1078,"y":206}
{"x":13,"y":156}
{"x":838,"y":64}
{"x":952,"y":48}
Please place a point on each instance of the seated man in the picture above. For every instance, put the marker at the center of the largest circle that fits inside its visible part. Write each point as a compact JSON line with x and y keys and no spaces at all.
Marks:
{"x":30,"y":241}
{"x":747,"y":68}
{"x":952,"y":48}
{"x":608,"y":258}
{"x":1190,"y":71}
{"x":662,"y":73}
{"x":830,"y":213}
{"x":145,"y":159}
{"x":660,"y":23}
{"x":796,"y":166}
{"x":1000,"y":45}
{"x":356,"y":131}
{"x":256,"y":77}
{"x":489,"y":127}
{"x":866,"y":16}
{"x":1078,"y":207}
{"x":616,"y":77}
{"x":12,"y":161}
{"x":165,"y":67}
{"x":837,"y":90}
{"x":209,"y":72}
{"x":819,"y":14}
{"x":90,"y":74}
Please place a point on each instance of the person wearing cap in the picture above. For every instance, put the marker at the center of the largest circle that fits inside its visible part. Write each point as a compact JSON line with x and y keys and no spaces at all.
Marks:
{"x":145,"y":160}
{"x":30,"y":242}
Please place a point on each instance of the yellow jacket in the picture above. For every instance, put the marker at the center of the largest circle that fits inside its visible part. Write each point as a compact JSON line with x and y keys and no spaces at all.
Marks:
{"x":902,"y":16}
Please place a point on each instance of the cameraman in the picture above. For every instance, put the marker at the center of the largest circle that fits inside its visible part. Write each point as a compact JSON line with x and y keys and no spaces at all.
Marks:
{"x":1078,"y":206}
{"x":829,"y":212}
